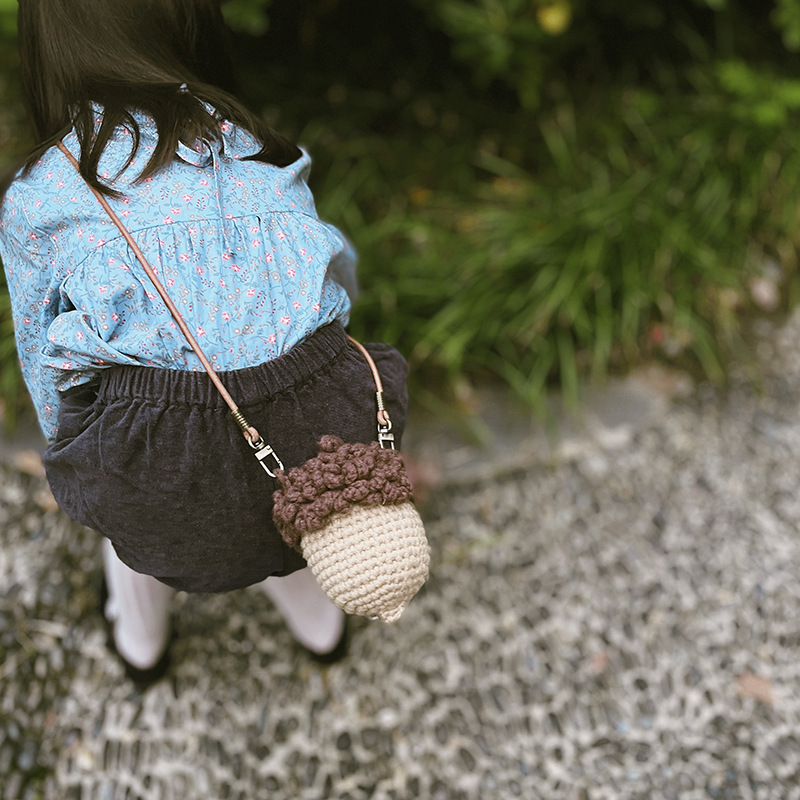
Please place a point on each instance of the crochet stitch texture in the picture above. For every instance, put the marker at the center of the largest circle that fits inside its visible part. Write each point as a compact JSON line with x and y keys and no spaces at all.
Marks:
{"x":370,"y":561}
{"x":340,"y":477}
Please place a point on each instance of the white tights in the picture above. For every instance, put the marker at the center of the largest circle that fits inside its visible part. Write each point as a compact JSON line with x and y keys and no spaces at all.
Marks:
{"x":139,"y":607}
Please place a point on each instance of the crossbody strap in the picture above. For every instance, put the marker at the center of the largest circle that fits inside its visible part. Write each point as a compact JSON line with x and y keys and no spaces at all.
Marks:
{"x":262,"y":450}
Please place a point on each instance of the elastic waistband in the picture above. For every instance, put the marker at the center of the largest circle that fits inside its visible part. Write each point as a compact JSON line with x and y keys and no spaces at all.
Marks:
{"x":245,"y":385}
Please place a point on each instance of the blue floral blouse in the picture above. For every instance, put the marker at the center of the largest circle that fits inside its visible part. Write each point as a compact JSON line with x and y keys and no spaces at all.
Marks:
{"x":237,"y":244}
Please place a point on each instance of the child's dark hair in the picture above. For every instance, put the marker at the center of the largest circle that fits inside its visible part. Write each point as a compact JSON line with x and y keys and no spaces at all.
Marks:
{"x":128,"y":55}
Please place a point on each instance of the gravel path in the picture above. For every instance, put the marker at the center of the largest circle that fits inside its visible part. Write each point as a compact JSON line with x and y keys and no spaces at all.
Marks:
{"x":613,"y":617}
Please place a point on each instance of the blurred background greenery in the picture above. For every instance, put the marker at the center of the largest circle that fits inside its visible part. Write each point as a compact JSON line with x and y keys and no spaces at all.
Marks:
{"x":541,"y":191}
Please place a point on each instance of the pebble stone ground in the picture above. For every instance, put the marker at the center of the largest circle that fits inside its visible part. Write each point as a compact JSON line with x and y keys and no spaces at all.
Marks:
{"x":612,"y":615}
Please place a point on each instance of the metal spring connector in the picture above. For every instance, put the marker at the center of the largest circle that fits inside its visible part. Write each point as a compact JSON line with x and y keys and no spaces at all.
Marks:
{"x":241,"y":421}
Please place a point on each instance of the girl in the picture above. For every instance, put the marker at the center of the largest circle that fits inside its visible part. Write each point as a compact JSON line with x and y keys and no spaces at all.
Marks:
{"x":140,"y":445}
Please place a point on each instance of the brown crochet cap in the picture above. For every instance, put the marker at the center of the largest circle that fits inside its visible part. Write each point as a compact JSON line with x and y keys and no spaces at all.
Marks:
{"x":340,"y":477}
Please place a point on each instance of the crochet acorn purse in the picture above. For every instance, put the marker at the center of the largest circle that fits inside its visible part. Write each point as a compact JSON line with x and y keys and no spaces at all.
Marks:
{"x":348,"y":510}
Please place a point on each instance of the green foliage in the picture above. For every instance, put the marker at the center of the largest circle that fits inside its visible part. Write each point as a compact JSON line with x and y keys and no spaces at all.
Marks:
{"x":503,"y":39}
{"x":8,"y":18}
{"x":248,"y":16}
{"x":635,"y":234}
{"x":786,"y":17}
{"x":519,"y":42}
{"x":760,"y":97}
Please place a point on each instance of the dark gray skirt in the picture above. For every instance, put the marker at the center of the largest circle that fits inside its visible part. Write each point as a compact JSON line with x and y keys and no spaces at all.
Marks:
{"x":152,"y":459}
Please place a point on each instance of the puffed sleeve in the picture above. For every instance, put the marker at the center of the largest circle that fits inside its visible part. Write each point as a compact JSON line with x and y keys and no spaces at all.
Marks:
{"x":30,"y":259}
{"x":342,"y":266}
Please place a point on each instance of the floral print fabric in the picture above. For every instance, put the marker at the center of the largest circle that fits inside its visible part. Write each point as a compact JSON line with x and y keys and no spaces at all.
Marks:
{"x":237,"y":244}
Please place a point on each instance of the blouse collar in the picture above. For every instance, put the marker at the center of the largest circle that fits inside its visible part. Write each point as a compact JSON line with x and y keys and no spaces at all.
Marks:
{"x":201,"y":153}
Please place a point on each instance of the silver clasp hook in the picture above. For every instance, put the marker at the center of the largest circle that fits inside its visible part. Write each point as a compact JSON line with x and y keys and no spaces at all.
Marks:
{"x":264,"y":451}
{"x":385,"y":436}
